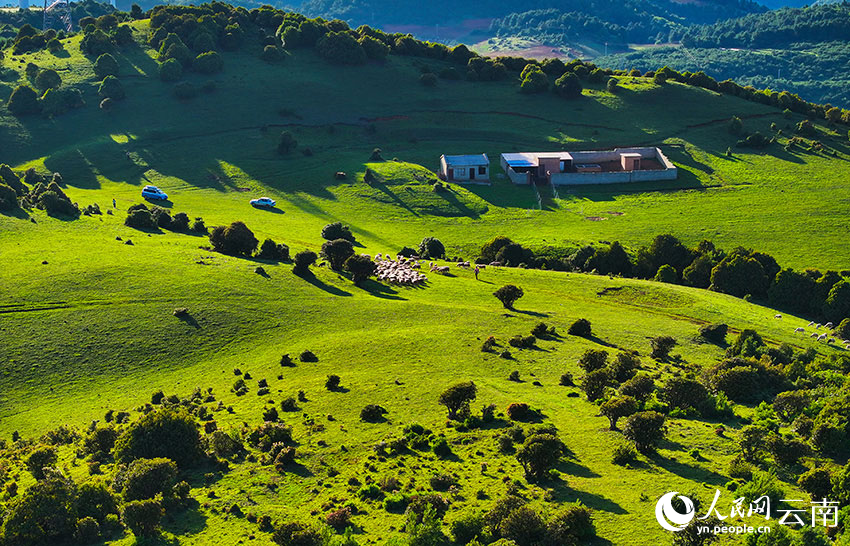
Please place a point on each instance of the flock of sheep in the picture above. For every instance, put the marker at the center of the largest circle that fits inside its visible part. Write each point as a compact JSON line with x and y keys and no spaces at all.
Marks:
{"x":818,"y":336}
{"x":399,"y":271}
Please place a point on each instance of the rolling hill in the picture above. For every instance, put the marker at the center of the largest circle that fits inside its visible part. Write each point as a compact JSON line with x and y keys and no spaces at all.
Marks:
{"x":105,"y":322}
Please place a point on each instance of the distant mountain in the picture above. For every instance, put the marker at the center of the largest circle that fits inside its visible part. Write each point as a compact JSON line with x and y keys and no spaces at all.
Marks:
{"x":451,"y":12}
{"x":803,"y":50}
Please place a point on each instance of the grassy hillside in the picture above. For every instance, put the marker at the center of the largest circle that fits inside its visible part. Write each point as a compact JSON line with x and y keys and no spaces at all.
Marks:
{"x":225,"y":140}
{"x":88,"y":319}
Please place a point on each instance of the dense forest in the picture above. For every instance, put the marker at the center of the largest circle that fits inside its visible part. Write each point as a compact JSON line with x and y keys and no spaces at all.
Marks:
{"x":819,"y":72}
{"x":620,"y":21}
{"x":777,"y":29}
{"x":448,"y":12}
{"x":801,"y":50}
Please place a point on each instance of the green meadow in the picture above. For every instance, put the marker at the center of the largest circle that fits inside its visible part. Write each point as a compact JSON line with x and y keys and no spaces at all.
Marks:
{"x":87,"y":319}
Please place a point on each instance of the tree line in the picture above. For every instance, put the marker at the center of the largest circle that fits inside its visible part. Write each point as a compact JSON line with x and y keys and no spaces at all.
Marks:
{"x":741,"y":272}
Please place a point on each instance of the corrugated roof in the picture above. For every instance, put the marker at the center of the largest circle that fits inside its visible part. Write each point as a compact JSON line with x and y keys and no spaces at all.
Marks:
{"x":531,"y":159}
{"x":462,"y":160}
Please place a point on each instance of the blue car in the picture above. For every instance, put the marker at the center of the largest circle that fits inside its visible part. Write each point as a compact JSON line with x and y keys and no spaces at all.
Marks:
{"x":154,"y":193}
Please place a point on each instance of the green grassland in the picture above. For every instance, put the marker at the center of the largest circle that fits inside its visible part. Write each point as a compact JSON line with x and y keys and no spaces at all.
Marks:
{"x":87,"y":320}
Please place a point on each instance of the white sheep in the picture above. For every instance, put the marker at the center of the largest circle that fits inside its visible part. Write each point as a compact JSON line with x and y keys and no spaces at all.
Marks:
{"x":822,"y":337}
{"x":817,"y":326}
{"x":799,"y":330}
{"x":812,"y":323}
{"x":828,"y":325}
{"x":777,"y":316}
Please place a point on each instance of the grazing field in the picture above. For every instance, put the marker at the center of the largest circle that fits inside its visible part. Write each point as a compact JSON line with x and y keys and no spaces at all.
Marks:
{"x":96,"y":316}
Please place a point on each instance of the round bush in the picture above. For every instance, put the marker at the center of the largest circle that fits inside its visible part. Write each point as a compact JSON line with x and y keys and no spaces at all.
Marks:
{"x":170,"y":70}
{"x":105,"y":65}
{"x":111,"y":88}
{"x":208,"y":63}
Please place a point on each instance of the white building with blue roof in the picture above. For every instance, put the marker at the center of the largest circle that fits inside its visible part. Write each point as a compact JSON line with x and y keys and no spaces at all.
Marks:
{"x":465,"y":168}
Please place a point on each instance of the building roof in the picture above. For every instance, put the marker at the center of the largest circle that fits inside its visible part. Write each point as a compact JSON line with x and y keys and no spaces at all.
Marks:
{"x":467,"y":160}
{"x":530,"y":159}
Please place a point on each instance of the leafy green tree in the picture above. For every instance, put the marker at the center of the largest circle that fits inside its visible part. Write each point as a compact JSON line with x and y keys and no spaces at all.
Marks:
{"x":208,"y":63}
{"x":668,"y":250}
{"x":613,"y":85}
{"x":303,"y":261}
{"x":95,"y":44}
{"x":23,"y":101}
{"x":683,"y":393}
{"x":203,"y":42}
{"x":593,"y":360}
{"x":666,"y":273}
{"x":611,"y":261}
{"x":143,"y":517}
{"x":146,"y":478}
{"x":39,"y":459}
{"x":48,"y":79}
{"x":618,"y":407}
{"x":568,"y":86}
{"x":645,"y":429}
{"x":843,"y":329}
{"x":538,"y":454}
{"x":739,"y":276}
{"x":336,"y":252}
{"x":111,"y":88}
{"x":375,"y":49}
{"x":431,"y":248}
{"x":640,"y":387}
{"x":164,"y":432}
{"x":340,"y":48}
{"x":698,"y":274}
{"x":508,"y":295}
{"x":337,"y":230}
{"x":661,"y":346}
{"x":95,"y":500}
{"x":8,"y":198}
{"x":836,"y":308}
{"x":174,"y":48}
{"x":581,"y":328}
{"x":105,"y":65}
{"x":457,"y":398}
{"x":44,"y":514}
{"x":593,"y":384}
{"x":533,"y":79}
{"x":360,"y":267}
{"x":235,"y":239}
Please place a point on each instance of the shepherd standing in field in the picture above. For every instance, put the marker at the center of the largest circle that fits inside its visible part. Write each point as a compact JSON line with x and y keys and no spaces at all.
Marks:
{"x":477,"y":269}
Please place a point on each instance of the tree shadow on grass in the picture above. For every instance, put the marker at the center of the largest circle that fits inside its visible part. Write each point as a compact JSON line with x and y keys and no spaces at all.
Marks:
{"x":381,"y":290}
{"x":187,"y":318}
{"x":189,"y":522}
{"x":18,"y":213}
{"x":531,"y":313}
{"x":565,"y":493}
{"x":312,"y":279}
{"x":158,"y":540}
{"x":687,"y":471}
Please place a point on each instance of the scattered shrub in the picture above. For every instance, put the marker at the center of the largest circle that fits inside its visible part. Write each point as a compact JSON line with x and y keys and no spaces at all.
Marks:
{"x":508,"y":295}
{"x":580,"y":328}
{"x":372,"y":413}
